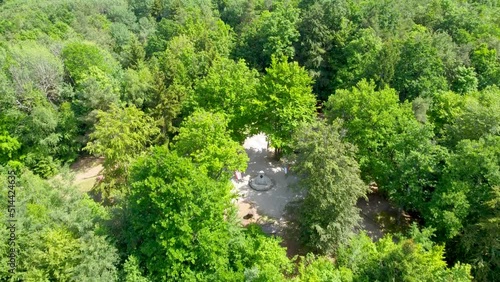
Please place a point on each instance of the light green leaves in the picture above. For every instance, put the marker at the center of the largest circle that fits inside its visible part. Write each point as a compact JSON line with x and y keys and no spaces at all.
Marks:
{"x":287,"y":100}
{"x":231,"y":88}
{"x":205,"y":139}
{"x":177,"y":224}
{"x":405,"y":260}
{"x":120,"y":136}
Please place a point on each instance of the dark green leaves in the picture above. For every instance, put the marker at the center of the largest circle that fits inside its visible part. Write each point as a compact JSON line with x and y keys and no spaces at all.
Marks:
{"x":330,"y":174}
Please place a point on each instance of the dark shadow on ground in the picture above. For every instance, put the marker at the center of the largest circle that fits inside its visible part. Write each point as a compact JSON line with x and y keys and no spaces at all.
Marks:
{"x":380,"y":217}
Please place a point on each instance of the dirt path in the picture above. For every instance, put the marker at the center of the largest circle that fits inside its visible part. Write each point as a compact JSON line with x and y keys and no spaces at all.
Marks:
{"x":86,"y":170}
{"x":267,"y":208}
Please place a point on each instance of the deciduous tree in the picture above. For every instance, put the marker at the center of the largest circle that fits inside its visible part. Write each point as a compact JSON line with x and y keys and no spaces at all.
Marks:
{"x":272,"y":33}
{"x":176,"y":224}
{"x":230,"y":88}
{"x":410,"y":259}
{"x":287,"y":100}
{"x":419,"y":71}
{"x":205,"y":139}
{"x":59,"y":232}
{"x":391,"y":141}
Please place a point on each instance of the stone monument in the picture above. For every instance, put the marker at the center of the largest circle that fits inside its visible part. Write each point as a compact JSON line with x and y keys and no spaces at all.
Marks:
{"x":261,"y":182}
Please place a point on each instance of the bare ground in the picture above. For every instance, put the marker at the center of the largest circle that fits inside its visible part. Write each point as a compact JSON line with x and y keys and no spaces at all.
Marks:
{"x":379,"y":216}
{"x":86,"y":170}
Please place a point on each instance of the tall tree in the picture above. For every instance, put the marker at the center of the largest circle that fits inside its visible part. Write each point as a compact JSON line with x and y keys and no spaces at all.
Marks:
{"x":180,"y":226}
{"x":317,"y":35}
{"x":480,"y":244}
{"x":272,"y":33}
{"x":360,"y":58}
{"x":80,"y":57}
{"x":331,"y":176}
{"x":174,"y":72}
{"x":59,"y":232}
{"x":287,"y":100}
{"x":472,"y":172}
{"x":470,"y":116}
{"x":391,"y":141}
{"x":419,"y":71}
{"x":487,"y":64}
{"x":137,"y":86}
{"x":465,"y":80}
{"x":195,"y":20}
{"x":230,"y":87}
{"x":408,"y":259}
{"x":321,"y":269}
{"x":478,"y":117}
{"x":176,"y":224}
{"x":34,"y":66}
{"x":120,"y":136}
{"x":8,"y":146}
{"x":372,"y":120}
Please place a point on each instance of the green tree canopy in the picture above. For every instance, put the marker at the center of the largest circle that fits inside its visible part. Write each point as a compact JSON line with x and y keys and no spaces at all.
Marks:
{"x":480,"y":243}
{"x":286,"y":101}
{"x":419,"y":71}
{"x":60,"y":233}
{"x":175,"y":72}
{"x":231,"y":88}
{"x":205,"y":139}
{"x":409,"y":259}
{"x":471,"y":173}
{"x":120,"y":136}
{"x":487,"y":64}
{"x":331,"y":176}
{"x":80,"y":57}
{"x":395,"y":150}
{"x":176,"y":224}
{"x":373,"y":121}
{"x":479,"y":116}
{"x":34,"y":66}
{"x":272,"y":33}
{"x":321,"y":269}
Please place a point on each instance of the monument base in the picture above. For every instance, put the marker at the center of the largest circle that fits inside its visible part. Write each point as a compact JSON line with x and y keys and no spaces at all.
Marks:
{"x":261,"y":182}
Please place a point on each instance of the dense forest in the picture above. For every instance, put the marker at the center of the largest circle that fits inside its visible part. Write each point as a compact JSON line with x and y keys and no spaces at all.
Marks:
{"x":403,"y":95}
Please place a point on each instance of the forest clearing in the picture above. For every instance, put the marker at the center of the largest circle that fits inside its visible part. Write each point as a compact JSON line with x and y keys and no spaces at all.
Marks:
{"x":266,"y":208}
{"x":259,"y":140}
